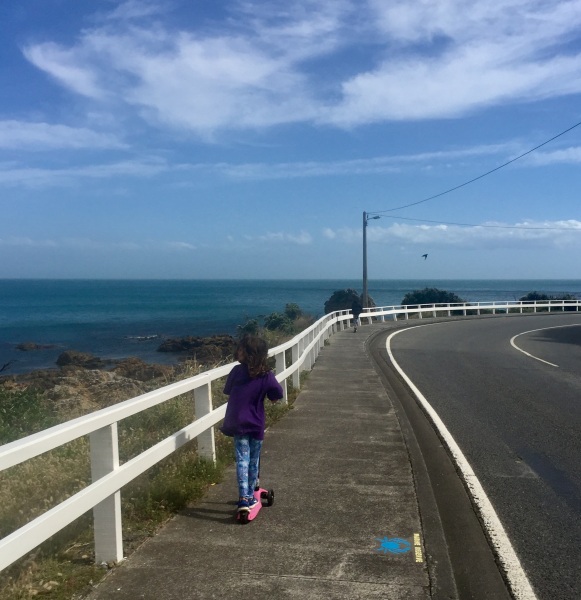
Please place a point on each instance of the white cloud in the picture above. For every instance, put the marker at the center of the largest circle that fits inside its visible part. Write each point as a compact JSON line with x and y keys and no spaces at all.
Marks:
{"x":93,"y":244}
{"x":526,"y":233}
{"x":364,"y":166}
{"x":67,"y":67}
{"x":301,"y":239}
{"x":134,"y":9}
{"x":451,"y":86}
{"x":343,"y":234}
{"x":570,"y":155}
{"x":269,"y":65}
{"x":12,"y":174}
{"x":44,"y":136}
{"x":451,"y":57}
{"x":180,"y":246}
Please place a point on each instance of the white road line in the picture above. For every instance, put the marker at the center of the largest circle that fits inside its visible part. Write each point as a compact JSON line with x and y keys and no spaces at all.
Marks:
{"x":518,"y":581}
{"x":533,"y":330}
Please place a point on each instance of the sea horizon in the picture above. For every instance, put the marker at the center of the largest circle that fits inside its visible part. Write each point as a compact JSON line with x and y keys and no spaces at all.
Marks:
{"x":311,"y":279}
{"x":117,"y":318}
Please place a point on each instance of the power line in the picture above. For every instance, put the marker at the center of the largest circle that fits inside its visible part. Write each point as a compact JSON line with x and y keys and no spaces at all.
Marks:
{"x":487,"y":226}
{"x":479,"y":176}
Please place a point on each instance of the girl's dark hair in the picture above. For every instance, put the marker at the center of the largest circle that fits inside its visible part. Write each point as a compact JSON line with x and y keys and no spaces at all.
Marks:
{"x":253,"y":352}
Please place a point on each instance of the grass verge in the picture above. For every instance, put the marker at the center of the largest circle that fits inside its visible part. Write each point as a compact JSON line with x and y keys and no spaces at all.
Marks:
{"x":63,"y":567}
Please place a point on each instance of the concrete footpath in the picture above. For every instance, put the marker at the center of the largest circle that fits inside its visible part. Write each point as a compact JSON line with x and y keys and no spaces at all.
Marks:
{"x":345,"y":522}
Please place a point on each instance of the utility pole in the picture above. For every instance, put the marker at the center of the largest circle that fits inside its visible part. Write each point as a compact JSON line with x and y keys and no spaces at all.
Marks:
{"x":365,"y":292}
{"x":365,"y":296}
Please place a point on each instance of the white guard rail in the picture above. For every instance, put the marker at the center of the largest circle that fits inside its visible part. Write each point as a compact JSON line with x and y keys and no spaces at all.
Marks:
{"x":103,"y":495}
{"x":468,"y":308}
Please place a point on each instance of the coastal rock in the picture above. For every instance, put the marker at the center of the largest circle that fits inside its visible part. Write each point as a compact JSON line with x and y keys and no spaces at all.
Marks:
{"x":80,"y":359}
{"x":84,"y":383}
{"x":207,"y":350}
{"x":31,"y":346}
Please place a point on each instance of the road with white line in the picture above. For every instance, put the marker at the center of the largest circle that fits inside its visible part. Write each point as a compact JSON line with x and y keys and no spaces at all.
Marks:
{"x":508,"y":391}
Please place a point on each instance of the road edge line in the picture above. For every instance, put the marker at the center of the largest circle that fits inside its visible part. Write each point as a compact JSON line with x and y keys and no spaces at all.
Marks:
{"x":509,"y":561}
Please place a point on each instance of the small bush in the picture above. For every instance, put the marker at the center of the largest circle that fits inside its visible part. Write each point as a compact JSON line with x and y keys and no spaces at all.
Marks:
{"x":343,"y":300}
{"x":534,"y":296}
{"x":539,"y":297}
{"x":279,"y":322}
{"x":293,"y":311}
{"x":431,"y":296}
{"x":251,"y":327}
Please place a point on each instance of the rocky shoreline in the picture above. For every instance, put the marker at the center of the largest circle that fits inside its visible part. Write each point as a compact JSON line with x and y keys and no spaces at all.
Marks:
{"x":82,"y":382}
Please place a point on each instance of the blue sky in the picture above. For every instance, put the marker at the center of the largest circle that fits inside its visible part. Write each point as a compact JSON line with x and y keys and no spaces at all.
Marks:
{"x":210,"y":139}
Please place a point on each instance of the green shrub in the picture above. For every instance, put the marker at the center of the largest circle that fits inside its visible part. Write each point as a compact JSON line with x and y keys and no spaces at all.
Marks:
{"x":534,"y":296}
{"x":251,"y":327}
{"x":293,"y":311}
{"x":539,"y":297}
{"x":279,"y":322}
{"x":343,"y":300}
{"x":430,"y":296}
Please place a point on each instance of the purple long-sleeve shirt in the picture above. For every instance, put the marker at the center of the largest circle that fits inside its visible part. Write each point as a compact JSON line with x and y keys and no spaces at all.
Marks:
{"x":245,"y":411}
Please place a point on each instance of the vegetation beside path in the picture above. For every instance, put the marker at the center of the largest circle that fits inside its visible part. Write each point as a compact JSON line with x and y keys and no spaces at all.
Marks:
{"x":63,"y":567}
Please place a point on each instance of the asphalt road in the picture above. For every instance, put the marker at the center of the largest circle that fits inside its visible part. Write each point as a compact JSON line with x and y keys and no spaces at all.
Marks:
{"x":517,"y":420}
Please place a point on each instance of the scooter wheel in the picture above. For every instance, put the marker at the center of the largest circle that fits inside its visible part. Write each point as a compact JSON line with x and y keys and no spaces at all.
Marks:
{"x":244,"y":518}
{"x":270,"y":498}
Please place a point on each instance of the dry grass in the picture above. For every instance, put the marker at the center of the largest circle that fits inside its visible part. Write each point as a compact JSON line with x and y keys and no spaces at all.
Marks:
{"x":63,"y":567}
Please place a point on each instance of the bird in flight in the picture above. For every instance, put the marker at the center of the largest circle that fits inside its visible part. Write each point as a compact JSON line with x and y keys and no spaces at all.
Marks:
{"x":424,"y":256}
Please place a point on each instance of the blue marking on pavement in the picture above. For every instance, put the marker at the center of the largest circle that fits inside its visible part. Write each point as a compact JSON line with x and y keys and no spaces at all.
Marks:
{"x":393,"y":545}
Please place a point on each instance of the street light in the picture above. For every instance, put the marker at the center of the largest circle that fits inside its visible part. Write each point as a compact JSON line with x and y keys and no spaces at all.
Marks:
{"x":366,"y":218}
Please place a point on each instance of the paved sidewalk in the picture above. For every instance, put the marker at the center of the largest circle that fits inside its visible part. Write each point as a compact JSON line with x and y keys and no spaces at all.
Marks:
{"x":343,"y":492}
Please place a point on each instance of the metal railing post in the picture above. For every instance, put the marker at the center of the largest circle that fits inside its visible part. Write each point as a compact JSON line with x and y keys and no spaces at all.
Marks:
{"x":203,"y":406}
{"x":104,"y":447}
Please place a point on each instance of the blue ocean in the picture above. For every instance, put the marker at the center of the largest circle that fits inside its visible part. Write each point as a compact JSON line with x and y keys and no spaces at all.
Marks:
{"x":121,"y":318}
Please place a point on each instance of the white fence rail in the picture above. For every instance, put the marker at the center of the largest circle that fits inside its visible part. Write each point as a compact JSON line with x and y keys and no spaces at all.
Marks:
{"x":468,"y":308}
{"x":103,"y":495}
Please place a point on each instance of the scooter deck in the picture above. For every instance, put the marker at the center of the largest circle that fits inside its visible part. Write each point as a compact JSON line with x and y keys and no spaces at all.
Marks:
{"x":260,"y":494}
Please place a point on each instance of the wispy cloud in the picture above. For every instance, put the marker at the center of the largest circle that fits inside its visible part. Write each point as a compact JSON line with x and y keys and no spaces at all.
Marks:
{"x":134,"y":9}
{"x":301,"y":239}
{"x":570,"y":155}
{"x":66,"y":67}
{"x":265,"y":67}
{"x":17,"y":135}
{"x":364,"y":166}
{"x":180,"y":246}
{"x":449,"y":58}
{"x":93,"y":244}
{"x":12,"y":174}
{"x":549,"y":233}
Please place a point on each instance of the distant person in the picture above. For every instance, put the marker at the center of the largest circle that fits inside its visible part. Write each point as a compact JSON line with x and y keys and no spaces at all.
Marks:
{"x":248,"y":384}
{"x":356,"y":309}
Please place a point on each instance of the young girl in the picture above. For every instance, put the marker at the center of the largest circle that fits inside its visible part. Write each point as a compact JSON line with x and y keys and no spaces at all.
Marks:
{"x":247,"y":385}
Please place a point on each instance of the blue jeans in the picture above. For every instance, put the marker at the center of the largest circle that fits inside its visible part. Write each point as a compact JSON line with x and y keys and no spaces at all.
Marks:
{"x":247,"y":459}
